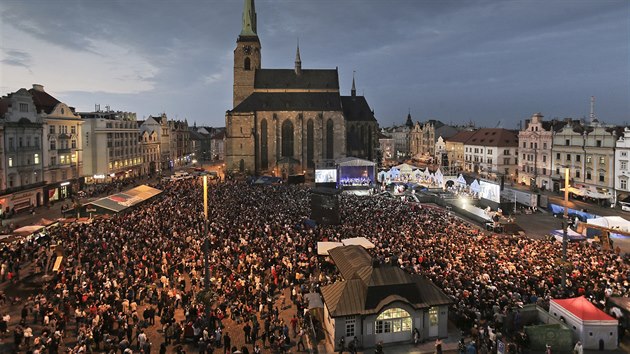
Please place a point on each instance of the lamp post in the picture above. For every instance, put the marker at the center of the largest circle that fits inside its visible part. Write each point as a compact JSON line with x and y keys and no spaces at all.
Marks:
{"x":564,"y":230}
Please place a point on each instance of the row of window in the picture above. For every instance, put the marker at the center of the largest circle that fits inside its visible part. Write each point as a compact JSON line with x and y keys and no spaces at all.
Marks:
{"x":64,"y":145}
{"x":121,"y":125}
{"x":533,"y":145}
{"x":63,"y":129}
{"x":531,"y":169}
{"x":35,"y":160}
{"x":124,"y":163}
{"x":578,"y":158}
{"x":488,"y":151}
{"x":506,"y":160}
{"x":531,"y":157}
{"x":589,"y":176}
{"x":598,"y":143}
{"x":23,"y":142}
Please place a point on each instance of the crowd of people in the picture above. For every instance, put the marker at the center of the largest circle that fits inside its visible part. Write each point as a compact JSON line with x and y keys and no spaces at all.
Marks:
{"x":138,"y":276}
{"x":355,"y":181}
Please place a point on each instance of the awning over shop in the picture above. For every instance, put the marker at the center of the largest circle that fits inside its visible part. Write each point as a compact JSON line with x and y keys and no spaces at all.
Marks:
{"x":28,"y":230}
{"x":121,"y":201}
{"x":611,"y":222}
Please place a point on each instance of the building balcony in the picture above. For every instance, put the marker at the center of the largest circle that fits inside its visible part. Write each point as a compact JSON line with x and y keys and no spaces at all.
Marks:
{"x":64,"y":151}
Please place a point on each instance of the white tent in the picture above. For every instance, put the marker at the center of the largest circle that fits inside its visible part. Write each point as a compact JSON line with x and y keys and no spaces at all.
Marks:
{"x":611,"y":222}
{"x":426,"y":173}
{"x":394,"y":172}
{"x":475,"y":187}
{"x":359,"y":241}
{"x":417,"y":174}
{"x":405,"y":168}
{"x":461,"y":179}
{"x":590,"y":324}
{"x":439,"y":177}
{"x":324,"y":247}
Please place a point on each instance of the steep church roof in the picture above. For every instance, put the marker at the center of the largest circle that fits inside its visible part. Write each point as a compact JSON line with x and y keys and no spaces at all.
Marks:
{"x":312,"y":79}
{"x":356,"y":108}
{"x":290,"y":101}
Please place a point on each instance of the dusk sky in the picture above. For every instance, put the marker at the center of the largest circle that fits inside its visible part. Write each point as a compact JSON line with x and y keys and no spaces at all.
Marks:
{"x":490,"y":62}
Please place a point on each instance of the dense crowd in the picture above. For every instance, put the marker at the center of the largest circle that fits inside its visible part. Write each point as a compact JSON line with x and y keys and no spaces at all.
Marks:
{"x":125,"y":278}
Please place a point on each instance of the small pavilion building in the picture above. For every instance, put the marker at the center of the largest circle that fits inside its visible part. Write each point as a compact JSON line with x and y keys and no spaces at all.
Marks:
{"x":376,"y":302}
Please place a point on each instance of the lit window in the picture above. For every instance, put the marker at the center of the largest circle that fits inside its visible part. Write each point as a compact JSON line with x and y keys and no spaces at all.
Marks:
{"x":36,"y":159}
{"x":393,"y":320}
{"x":10,"y":162}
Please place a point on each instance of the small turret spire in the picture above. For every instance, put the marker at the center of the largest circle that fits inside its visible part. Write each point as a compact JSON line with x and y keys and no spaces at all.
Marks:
{"x":298,"y":60}
{"x":249,"y":19}
{"x":353,"y":92}
{"x":409,"y":122}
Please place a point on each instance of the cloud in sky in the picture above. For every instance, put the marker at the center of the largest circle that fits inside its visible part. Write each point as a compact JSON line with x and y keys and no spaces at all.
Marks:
{"x":456,"y":61}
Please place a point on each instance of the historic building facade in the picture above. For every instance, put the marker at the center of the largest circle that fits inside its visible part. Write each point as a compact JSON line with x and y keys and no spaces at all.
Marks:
{"x":111,"y":145}
{"x":22,"y":160}
{"x":535,"y":149}
{"x":180,"y":143}
{"x":622,"y":172}
{"x":492,"y":153}
{"x":588,"y":151}
{"x":455,"y":152}
{"x":424,"y":136}
{"x":287,"y":121}
{"x":158,"y":125}
{"x":62,"y":142}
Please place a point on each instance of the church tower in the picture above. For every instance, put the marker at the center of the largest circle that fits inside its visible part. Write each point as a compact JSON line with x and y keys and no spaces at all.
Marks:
{"x":246,"y":55}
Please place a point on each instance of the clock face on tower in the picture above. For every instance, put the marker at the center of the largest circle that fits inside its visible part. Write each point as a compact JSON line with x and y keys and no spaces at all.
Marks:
{"x":247,"y":49}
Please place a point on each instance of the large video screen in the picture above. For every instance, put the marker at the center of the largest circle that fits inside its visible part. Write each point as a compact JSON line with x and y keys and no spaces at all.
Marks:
{"x":326,"y":176}
{"x":490,"y":191}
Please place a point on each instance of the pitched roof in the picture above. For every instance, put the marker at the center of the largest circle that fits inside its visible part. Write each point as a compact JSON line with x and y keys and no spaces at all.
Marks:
{"x":446,"y":131}
{"x":195,"y":135}
{"x":290,"y":101}
{"x":461,"y":137}
{"x":43,"y":101}
{"x":494,"y":137}
{"x":356,"y":108}
{"x":583,"y":309}
{"x":288,"y":79}
{"x":351,"y":260}
{"x":366,"y":288}
{"x":553,"y":125}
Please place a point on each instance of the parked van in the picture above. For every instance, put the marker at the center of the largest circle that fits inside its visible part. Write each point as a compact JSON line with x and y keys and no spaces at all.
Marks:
{"x":181,"y":175}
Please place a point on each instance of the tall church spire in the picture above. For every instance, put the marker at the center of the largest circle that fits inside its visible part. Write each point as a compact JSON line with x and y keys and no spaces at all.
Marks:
{"x":353,"y":92}
{"x":298,"y":60}
{"x":249,"y":19}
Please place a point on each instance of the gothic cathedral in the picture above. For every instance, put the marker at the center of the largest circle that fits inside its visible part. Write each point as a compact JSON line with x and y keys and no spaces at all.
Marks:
{"x":289,"y":121}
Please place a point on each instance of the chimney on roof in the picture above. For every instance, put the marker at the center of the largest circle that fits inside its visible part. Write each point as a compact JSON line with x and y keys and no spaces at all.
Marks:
{"x":38,"y":87}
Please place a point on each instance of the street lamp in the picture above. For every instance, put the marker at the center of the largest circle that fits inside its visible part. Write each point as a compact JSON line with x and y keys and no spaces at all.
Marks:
{"x":564,"y":230}
{"x":206,"y":248}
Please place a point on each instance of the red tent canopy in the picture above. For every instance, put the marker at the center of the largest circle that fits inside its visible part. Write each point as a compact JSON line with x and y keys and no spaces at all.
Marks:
{"x":583,"y":309}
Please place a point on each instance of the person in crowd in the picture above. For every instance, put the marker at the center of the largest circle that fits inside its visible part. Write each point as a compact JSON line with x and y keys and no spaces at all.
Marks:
{"x":151,"y":257}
